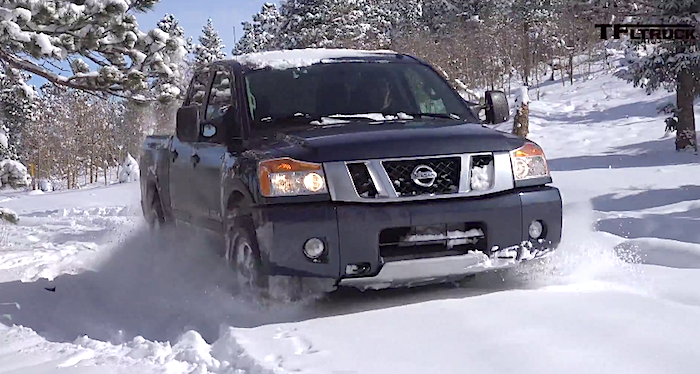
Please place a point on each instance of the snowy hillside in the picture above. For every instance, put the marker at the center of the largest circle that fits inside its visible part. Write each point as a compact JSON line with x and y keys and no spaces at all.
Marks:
{"x":85,"y":289}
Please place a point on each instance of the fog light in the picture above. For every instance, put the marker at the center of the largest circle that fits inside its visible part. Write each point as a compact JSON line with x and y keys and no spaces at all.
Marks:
{"x":535,"y":229}
{"x":357,"y":269}
{"x":314,"y":248}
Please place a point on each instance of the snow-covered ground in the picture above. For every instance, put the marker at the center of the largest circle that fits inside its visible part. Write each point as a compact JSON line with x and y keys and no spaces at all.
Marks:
{"x":85,"y":289}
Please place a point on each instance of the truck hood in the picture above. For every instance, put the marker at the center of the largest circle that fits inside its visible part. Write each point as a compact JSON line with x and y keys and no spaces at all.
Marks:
{"x":365,"y":140}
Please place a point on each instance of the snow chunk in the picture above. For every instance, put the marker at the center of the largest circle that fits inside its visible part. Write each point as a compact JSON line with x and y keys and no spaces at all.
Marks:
{"x":45,"y":185}
{"x":481,"y":178}
{"x":44,"y":42}
{"x":8,"y":215}
{"x":4,"y":140}
{"x":138,"y":56}
{"x":22,"y":14}
{"x":15,"y":31}
{"x":372,"y":116}
{"x":129,"y":171}
{"x":302,"y":57}
{"x":521,"y":97}
{"x":194,"y":349}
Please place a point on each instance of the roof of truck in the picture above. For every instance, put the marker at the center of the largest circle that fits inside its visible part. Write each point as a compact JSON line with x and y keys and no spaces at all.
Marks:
{"x":285,"y":59}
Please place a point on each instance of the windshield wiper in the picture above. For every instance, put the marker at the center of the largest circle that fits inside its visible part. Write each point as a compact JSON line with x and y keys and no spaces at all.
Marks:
{"x":434,"y":115}
{"x":291,"y":117}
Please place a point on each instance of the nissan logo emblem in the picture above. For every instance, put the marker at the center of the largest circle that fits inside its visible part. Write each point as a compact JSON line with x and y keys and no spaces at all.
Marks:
{"x":424,"y":176}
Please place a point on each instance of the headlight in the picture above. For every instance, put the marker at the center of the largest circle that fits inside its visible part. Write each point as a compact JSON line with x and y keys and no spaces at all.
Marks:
{"x":529,"y":162}
{"x":289,"y":177}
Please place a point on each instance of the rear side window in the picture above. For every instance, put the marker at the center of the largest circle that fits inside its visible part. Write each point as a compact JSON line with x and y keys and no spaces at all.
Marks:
{"x":199,"y":89}
{"x":221,"y":95}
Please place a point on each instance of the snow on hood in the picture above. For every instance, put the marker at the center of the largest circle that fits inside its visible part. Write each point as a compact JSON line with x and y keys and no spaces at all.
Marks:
{"x":301,"y":57}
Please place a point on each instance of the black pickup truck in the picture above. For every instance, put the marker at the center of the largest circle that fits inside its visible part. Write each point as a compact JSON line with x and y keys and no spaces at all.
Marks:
{"x":341,"y":167}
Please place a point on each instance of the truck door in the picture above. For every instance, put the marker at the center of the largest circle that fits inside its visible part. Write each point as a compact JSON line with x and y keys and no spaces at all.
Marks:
{"x":218,"y":124}
{"x":182,"y":191}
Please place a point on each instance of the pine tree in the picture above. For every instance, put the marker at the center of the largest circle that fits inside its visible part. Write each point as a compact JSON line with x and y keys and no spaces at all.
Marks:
{"x":17,"y":110}
{"x":174,"y":86}
{"x":259,"y":35}
{"x":364,"y":24}
{"x":302,"y":23}
{"x":210,"y":47}
{"x":671,"y":64}
{"x":104,"y":33}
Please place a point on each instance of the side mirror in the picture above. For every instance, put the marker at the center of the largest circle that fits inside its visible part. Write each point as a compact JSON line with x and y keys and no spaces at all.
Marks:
{"x":208,"y":130}
{"x":497,"y":110}
{"x":187,"y":123}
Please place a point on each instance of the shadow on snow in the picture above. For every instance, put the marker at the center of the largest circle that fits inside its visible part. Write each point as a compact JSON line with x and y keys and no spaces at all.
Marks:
{"x":648,"y":231}
{"x":655,"y":153}
{"x":159,"y":288}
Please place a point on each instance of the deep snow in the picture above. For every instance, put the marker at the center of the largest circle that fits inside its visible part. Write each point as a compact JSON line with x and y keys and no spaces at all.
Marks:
{"x":84,"y":288}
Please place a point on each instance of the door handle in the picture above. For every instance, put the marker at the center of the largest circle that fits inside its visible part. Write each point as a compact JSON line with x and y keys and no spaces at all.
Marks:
{"x":195,"y":159}
{"x":174,"y":154}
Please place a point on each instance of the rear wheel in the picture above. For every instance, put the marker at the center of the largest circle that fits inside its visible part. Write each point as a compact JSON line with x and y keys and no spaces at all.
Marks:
{"x":154,"y":216}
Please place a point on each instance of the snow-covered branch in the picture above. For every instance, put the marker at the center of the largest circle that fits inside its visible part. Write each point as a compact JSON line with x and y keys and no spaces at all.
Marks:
{"x":129,"y":63}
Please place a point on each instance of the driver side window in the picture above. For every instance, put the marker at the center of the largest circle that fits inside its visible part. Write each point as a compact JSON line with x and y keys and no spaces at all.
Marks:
{"x":220,"y":111}
{"x":426,"y":97}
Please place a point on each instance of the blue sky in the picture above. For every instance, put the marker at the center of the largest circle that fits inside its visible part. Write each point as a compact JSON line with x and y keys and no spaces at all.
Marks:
{"x":193,"y":14}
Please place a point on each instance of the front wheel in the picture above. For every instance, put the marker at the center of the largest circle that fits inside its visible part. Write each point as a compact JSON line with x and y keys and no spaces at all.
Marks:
{"x":250,"y":277}
{"x":243,"y":257}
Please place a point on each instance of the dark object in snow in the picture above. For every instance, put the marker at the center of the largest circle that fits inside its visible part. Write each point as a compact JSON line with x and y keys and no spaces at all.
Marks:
{"x":309,"y":175}
{"x":671,"y":124}
{"x":50,"y":289}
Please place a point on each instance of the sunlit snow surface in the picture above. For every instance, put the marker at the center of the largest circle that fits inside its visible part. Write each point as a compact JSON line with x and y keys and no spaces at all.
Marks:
{"x":85,"y":289}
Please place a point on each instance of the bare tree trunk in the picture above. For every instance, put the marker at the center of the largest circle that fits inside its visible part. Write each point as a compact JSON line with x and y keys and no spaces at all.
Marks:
{"x":521,"y":121}
{"x":526,"y":53}
{"x":106,"y":166}
{"x":571,"y":68}
{"x":562,"y":70}
{"x":685,"y":96}
{"x":590,"y":58}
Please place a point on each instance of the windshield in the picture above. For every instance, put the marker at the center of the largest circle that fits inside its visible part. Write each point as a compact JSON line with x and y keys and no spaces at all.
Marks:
{"x":284,"y":97}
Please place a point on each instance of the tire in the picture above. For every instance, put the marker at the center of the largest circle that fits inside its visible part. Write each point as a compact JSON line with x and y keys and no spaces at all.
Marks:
{"x":250,"y":278}
{"x":155,"y":217}
{"x":243,"y":257}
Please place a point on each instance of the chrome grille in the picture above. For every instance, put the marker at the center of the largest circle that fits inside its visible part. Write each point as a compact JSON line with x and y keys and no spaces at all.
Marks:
{"x":375,"y":180}
{"x":364,"y":186}
{"x":446,"y":181}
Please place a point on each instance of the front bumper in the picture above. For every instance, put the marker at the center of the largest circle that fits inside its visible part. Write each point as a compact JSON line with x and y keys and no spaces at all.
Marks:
{"x":421,"y":271}
{"x":351,"y":233}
